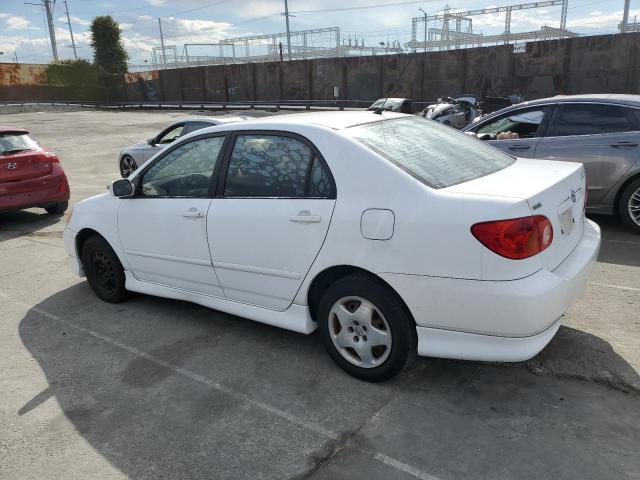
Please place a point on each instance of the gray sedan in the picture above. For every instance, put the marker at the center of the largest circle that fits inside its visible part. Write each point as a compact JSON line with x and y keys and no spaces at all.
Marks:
{"x":133,"y":156}
{"x":600,"y":131}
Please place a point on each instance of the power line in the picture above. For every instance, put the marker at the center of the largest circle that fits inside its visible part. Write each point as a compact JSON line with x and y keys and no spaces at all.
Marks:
{"x":363,"y":7}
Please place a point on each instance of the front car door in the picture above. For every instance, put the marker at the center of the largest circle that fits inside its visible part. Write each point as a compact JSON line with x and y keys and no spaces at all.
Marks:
{"x":518,"y":131}
{"x":163,"y":229}
{"x":270,"y":217}
{"x":603,"y":137}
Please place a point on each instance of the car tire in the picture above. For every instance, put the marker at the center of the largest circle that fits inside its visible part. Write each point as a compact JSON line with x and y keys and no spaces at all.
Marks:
{"x":57,"y":208}
{"x":127,"y":166}
{"x":375,"y":338}
{"x":103,"y":270}
{"x":629,"y":200}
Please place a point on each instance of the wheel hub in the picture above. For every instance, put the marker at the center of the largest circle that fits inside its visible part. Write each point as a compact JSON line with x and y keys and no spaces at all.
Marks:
{"x":360,"y":332}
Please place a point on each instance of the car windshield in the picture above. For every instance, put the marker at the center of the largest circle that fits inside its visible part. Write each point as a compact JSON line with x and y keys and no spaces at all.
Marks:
{"x":435,"y":154}
{"x":387,"y":103}
{"x":16,"y":142}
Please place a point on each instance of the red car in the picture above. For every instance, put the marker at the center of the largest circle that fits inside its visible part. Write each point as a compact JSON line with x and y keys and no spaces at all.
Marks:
{"x":30,"y":175}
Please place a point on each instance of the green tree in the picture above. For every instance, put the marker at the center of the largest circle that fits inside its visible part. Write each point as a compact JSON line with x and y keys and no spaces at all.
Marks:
{"x":109,"y":55}
{"x":74,"y":79}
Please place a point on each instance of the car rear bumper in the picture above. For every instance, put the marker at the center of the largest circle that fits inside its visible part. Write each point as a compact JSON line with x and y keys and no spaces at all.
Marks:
{"x":35,"y":192}
{"x":495,"y":320}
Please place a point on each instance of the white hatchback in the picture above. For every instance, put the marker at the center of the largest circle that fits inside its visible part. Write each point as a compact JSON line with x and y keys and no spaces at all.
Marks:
{"x":392,"y":235}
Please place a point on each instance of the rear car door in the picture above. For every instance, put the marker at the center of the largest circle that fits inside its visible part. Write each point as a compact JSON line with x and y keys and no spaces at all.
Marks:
{"x":270,"y":217}
{"x":603,"y":137}
{"x":518,"y":131}
{"x":163,"y":229}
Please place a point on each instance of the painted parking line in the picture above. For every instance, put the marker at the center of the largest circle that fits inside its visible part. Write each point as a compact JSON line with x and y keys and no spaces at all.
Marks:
{"x":618,"y":287}
{"x":311,"y":426}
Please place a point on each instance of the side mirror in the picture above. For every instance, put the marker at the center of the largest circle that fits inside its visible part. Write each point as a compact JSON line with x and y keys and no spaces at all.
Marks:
{"x":151,"y":141}
{"x":122,"y":188}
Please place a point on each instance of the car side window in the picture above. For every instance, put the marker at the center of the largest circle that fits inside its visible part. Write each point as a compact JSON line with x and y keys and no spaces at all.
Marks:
{"x":268,"y":166}
{"x":171,"y":135}
{"x":516,"y":124}
{"x":185,"y":171}
{"x":320,"y":180}
{"x":193,"y":126}
{"x":591,"y":119}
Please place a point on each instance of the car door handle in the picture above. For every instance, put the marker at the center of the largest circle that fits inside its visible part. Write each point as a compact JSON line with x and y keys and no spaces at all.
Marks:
{"x":193,"y":213}
{"x":520,"y":147}
{"x":305,"y":217}
{"x":624,"y":145}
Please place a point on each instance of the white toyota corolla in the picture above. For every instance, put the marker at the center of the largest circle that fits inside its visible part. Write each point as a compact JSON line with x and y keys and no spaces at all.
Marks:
{"x":392,"y":235}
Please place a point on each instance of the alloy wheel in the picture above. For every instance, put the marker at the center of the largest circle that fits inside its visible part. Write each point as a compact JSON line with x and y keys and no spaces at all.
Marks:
{"x":360,"y":332}
{"x":127,"y":166}
{"x":634,"y":207}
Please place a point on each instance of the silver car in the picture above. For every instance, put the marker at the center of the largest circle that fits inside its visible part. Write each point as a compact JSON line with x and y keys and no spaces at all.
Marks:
{"x":133,"y":156}
{"x":600,"y":131}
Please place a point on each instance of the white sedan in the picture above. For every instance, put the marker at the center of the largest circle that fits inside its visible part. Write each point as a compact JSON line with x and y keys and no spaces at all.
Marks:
{"x":391,"y":235}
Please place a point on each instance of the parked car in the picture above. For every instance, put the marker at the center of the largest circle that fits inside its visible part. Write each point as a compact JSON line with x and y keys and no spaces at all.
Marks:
{"x":454,"y":112}
{"x":600,"y":131}
{"x":133,"y":156}
{"x":30,"y":175}
{"x":401,"y":105}
{"x":392,"y":235}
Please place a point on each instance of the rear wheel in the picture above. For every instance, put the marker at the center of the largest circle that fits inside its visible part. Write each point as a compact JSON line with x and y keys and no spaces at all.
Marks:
{"x":629,"y":206}
{"x":103,"y":270}
{"x":365,"y":328}
{"x":127,"y":166}
{"x":57,"y":208}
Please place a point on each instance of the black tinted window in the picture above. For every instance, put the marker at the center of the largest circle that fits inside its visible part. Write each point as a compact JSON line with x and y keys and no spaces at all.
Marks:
{"x":320,"y":183}
{"x":185,"y":171}
{"x":268,"y":166}
{"x":193,"y":126}
{"x":591,"y":119}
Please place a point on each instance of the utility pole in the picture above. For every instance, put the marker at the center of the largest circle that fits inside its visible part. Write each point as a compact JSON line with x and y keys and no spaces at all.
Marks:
{"x":286,"y":16}
{"x":164,"y":60}
{"x":48,"y":6}
{"x":15,"y":53}
{"x":73,"y":43}
{"x":625,"y":16}
{"x":425,"y":28}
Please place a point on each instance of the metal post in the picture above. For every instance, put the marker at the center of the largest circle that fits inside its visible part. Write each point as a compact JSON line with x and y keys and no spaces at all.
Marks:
{"x":73,"y":43}
{"x":15,"y":53}
{"x":625,"y":17}
{"x":164,"y":60}
{"x":52,"y":32}
{"x":563,"y":14}
{"x":425,"y":28}
{"x":286,"y":16}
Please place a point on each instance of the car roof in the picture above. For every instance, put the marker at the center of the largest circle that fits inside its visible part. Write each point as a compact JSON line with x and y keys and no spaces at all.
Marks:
{"x":217,"y":120}
{"x":336,"y":120}
{"x":5,"y":129}
{"x":592,"y":97}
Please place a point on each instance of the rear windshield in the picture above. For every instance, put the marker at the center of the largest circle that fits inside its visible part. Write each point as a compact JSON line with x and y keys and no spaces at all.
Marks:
{"x":16,"y":142}
{"x":433,"y":153}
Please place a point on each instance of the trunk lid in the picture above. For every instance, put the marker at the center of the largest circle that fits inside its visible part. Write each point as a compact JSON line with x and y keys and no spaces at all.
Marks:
{"x":23,"y":165}
{"x":550,"y":188}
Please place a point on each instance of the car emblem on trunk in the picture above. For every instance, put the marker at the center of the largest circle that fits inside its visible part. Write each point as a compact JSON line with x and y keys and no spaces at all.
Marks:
{"x":11,"y":165}
{"x":573,"y":196}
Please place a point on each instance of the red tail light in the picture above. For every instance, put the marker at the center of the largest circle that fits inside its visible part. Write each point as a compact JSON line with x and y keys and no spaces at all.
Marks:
{"x":516,"y":238}
{"x":48,"y":156}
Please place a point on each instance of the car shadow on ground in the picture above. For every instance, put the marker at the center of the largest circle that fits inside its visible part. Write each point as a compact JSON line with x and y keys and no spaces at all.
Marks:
{"x":26,"y":222}
{"x":168,"y":389}
{"x":620,"y":245}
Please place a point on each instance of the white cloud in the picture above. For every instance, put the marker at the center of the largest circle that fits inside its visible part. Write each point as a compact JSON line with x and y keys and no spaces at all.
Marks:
{"x":16,"y":22}
{"x":75,"y":20}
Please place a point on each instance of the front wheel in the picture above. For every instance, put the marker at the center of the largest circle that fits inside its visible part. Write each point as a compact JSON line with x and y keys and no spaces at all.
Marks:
{"x":629,"y":206}
{"x":366,"y":329}
{"x":127,"y":166}
{"x":103,"y":270}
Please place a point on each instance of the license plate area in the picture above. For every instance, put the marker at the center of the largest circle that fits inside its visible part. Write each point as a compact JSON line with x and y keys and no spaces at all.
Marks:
{"x":567,"y":220}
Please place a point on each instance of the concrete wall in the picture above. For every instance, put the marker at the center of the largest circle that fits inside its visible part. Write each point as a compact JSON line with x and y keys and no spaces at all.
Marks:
{"x":605,"y":63}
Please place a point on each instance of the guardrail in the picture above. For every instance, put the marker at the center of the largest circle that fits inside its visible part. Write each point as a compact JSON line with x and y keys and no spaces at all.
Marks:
{"x":199,"y":105}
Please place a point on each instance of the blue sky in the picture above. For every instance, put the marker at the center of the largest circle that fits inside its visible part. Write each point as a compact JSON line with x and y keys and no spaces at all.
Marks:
{"x":22,"y":27}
